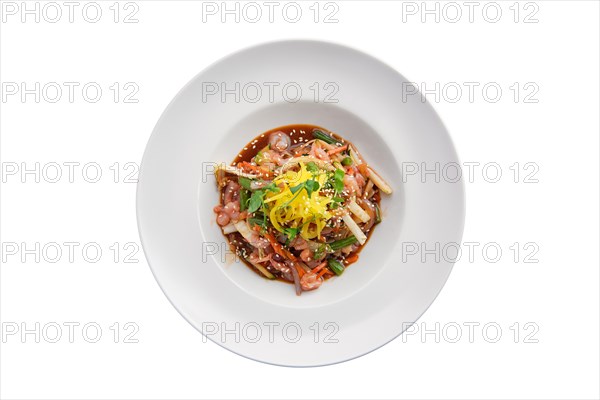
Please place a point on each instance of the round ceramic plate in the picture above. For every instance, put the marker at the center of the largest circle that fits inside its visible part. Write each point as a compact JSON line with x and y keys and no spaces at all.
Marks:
{"x":347,"y":92}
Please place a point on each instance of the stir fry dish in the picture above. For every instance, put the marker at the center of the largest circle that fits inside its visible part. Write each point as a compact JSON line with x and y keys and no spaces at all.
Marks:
{"x":298,"y":204}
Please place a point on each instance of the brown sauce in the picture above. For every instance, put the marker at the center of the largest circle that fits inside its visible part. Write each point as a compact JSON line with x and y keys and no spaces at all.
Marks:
{"x":299,"y":133}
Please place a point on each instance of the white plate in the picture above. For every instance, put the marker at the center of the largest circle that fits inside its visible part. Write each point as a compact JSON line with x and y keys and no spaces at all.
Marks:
{"x":376,"y":298}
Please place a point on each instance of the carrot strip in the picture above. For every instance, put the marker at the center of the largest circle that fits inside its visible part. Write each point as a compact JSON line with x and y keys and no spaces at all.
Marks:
{"x":318,"y":267}
{"x":323,"y":272}
{"x":363,"y":169}
{"x":301,"y":271}
{"x":351,"y":259}
{"x":337,"y":150}
{"x":283,"y":252}
{"x":278,"y":247}
{"x":260,"y":171}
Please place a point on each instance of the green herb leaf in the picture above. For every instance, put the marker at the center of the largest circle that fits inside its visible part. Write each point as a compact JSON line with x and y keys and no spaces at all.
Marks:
{"x":312,"y":167}
{"x":257,"y":219}
{"x":271,"y":187}
{"x":244,"y":197}
{"x":265,"y":212}
{"x":294,"y":189}
{"x":336,"y":202}
{"x":291,"y":233}
{"x":338,"y":180}
{"x":256,"y":201}
{"x":311,"y":186}
{"x":245,"y":182}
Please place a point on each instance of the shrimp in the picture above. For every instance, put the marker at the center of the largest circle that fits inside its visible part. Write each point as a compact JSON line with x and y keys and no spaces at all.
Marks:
{"x":232,"y":209}
{"x":318,"y":152}
{"x":310,"y":281}
{"x":257,"y":241}
{"x":280,"y":141}
{"x":348,"y":249}
{"x":251,"y":236}
{"x":350,"y":184}
{"x":254,"y":257}
{"x":223,"y":219}
{"x":306,"y":255}
{"x":273,"y":156}
{"x":284,"y":269}
{"x":232,"y":191}
{"x":355,"y":172}
{"x":226,"y":214}
{"x":299,"y":244}
{"x":360,"y":180}
{"x":370,"y":210}
{"x":259,"y":171}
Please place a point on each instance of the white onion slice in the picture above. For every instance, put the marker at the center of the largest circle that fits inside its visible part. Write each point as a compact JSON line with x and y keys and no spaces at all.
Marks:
{"x":245,"y":230}
{"x":358,"y":211}
{"x":233,"y":170}
{"x":229,"y":228}
{"x":354,"y":228}
{"x":379,"y":182}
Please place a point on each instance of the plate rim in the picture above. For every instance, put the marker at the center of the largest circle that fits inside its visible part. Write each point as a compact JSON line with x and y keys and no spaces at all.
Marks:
{"x":177,"y":96}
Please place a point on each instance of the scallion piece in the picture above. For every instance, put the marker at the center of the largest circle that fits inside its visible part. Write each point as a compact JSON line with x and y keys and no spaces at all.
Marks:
{"x":347,"y":161}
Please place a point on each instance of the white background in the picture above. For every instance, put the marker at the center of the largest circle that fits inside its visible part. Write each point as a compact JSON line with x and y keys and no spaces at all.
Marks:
{"x":169,"y":45}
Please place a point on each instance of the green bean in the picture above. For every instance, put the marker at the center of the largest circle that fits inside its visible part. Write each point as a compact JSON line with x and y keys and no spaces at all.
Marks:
{"x":340,"y":244}
{"x":336,"y":266}
{"x":377,"y":214}
{"x":318,"y":134}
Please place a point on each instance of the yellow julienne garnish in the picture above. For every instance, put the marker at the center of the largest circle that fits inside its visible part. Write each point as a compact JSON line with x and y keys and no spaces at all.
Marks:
{"x":294,"y":210}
